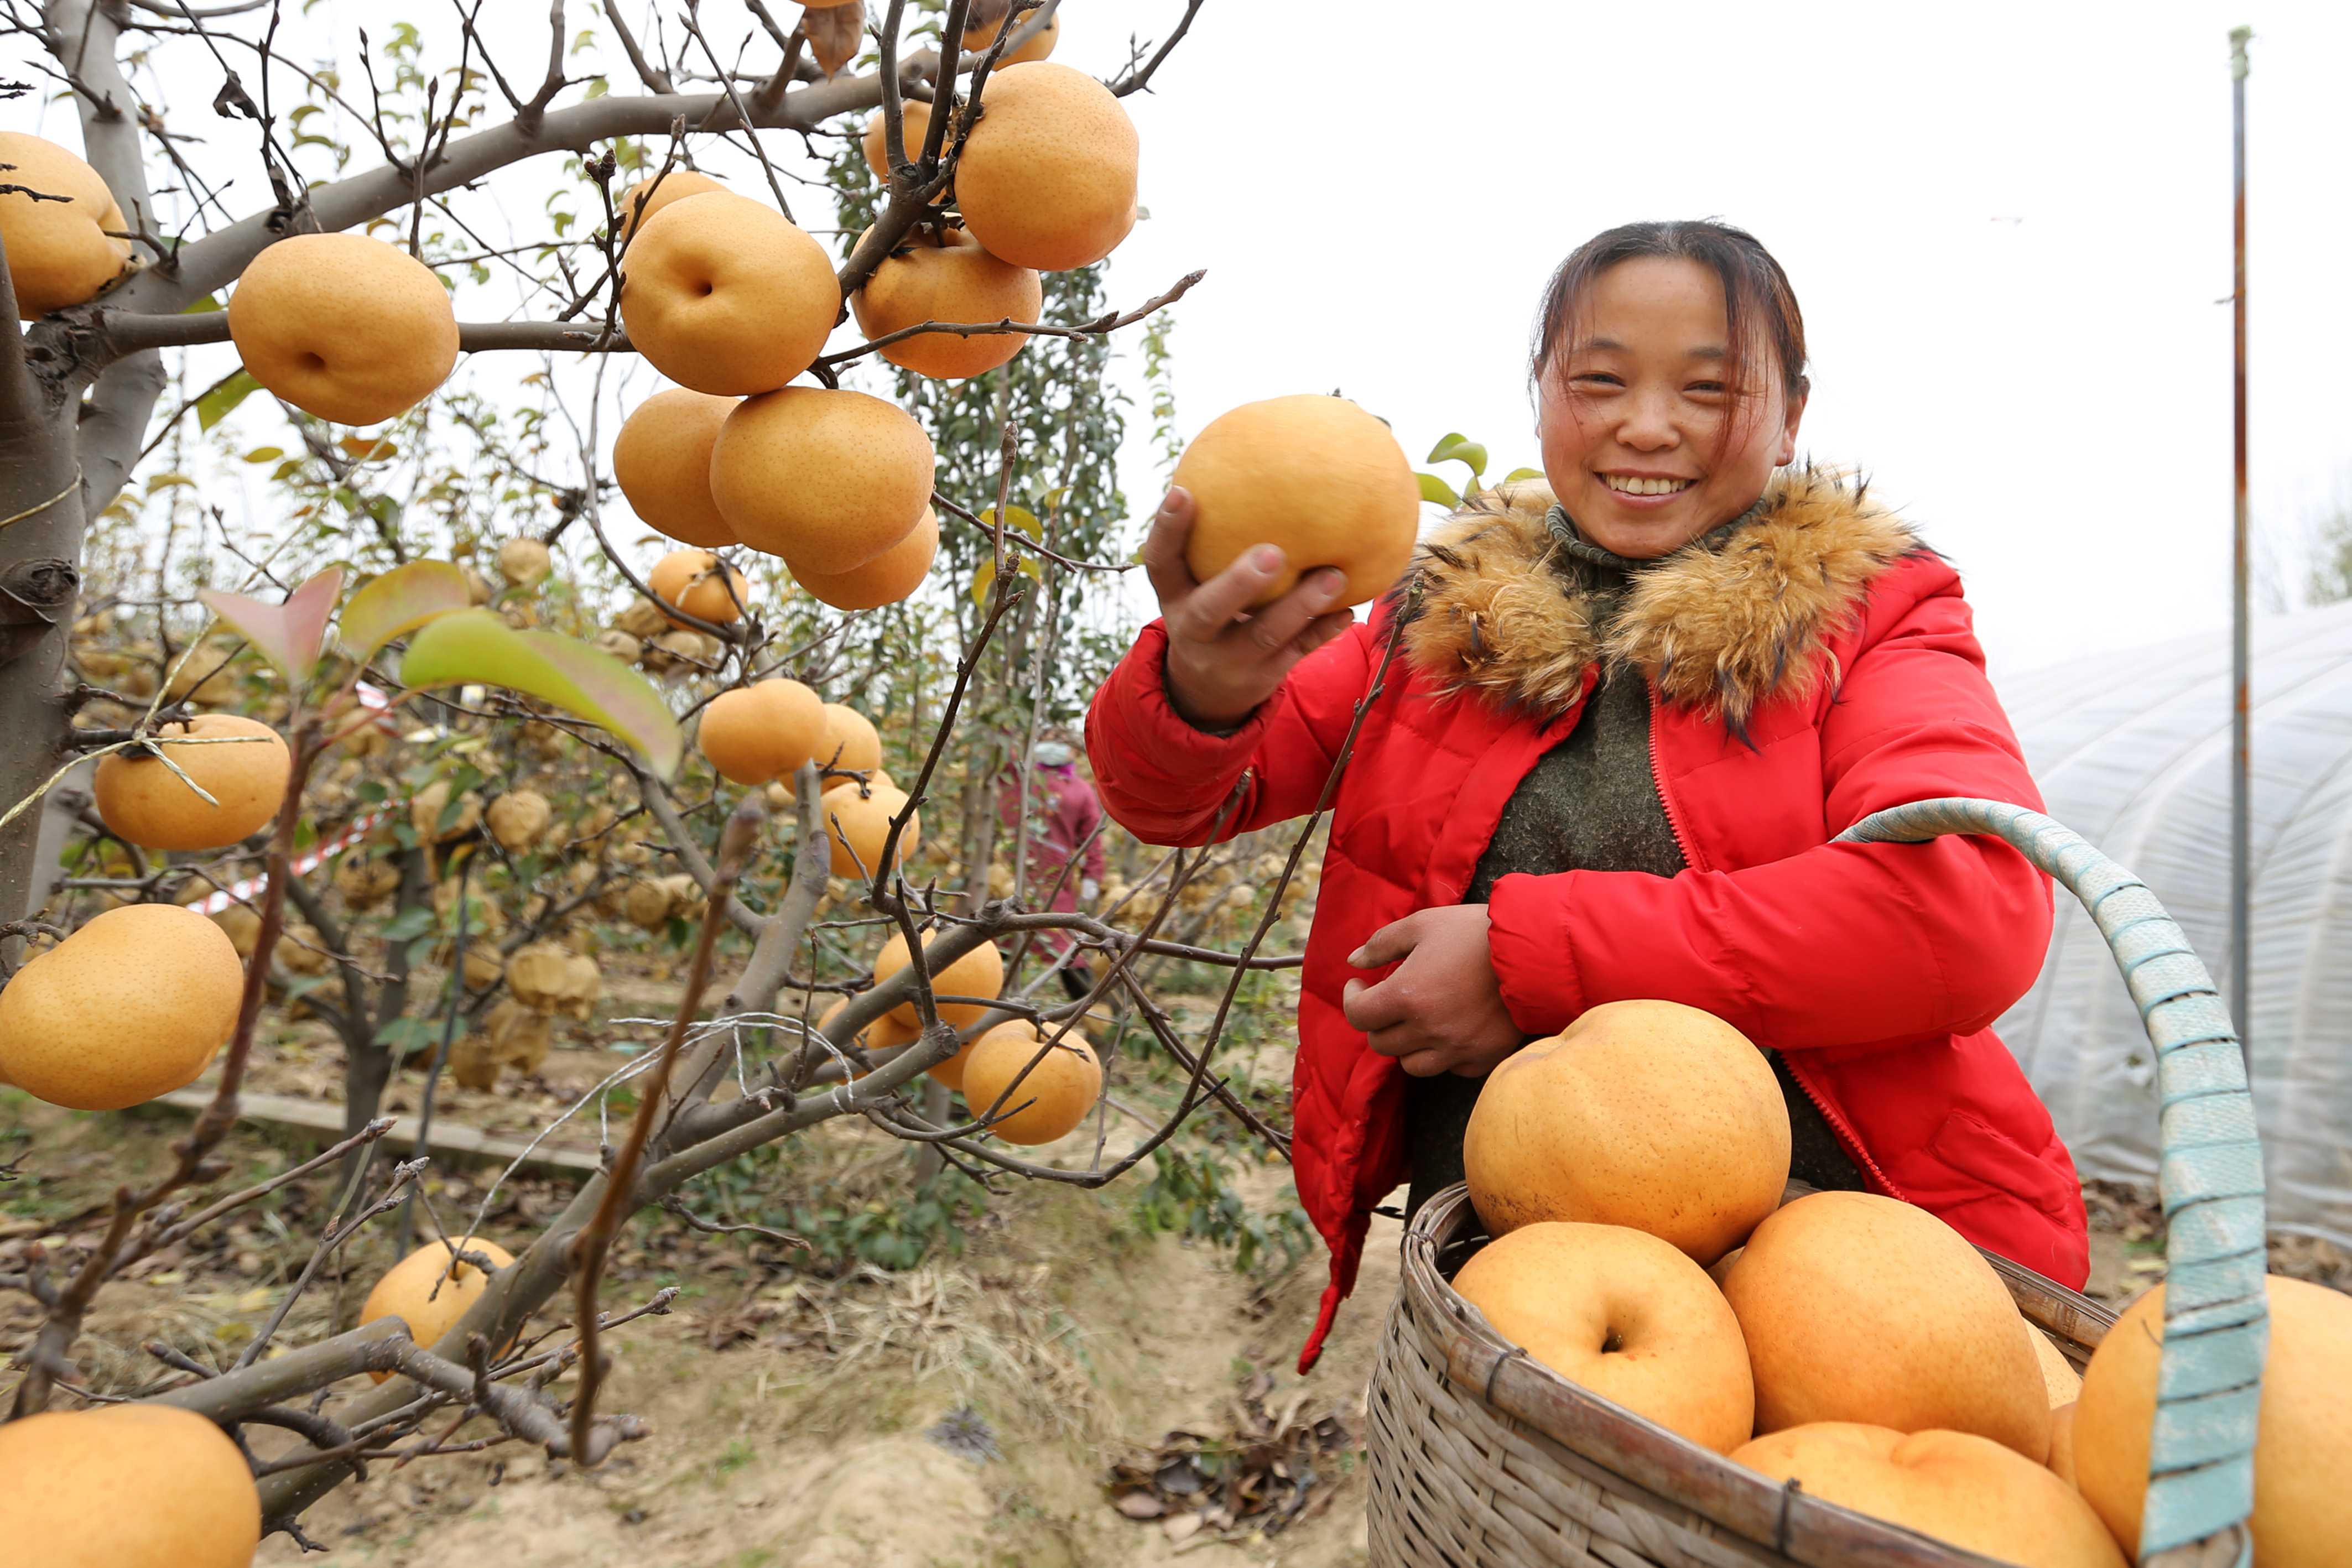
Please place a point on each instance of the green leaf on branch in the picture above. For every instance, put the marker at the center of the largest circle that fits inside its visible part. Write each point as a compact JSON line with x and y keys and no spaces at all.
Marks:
{"x":407,"y":1035}
{"x":221,"y":401}
{"x":475,"y":645}
{"x":1459,"y":449}
{"x":1433,"y":488}
{"x":399,"y":601}
{"x":409,"y":923}
{"x":1516,"y":475}
{"x":290,"y":635}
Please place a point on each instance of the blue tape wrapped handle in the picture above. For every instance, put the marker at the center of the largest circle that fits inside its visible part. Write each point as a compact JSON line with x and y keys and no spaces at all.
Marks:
{"x":2216,"y":1316}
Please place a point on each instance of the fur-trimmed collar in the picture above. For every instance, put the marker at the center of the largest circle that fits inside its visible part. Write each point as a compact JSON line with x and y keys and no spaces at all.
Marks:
{"x":1492,"y":610}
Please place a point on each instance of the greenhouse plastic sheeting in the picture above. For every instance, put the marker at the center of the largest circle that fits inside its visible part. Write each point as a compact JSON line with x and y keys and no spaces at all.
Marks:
{"x":2132,"y":751}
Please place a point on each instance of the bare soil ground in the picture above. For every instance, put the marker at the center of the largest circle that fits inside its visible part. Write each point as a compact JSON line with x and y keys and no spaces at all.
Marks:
{"x":969,"y":1411}
{"x":797,"y":1419}
{"x":1056,"y":1342}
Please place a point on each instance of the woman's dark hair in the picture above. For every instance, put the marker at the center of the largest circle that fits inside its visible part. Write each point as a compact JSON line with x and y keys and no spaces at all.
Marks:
{"x":1759,"y":307}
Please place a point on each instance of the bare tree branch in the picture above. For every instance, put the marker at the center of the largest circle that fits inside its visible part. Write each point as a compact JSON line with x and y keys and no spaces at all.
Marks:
{"x":123,"y":400}
{"x":1096,"y":328}
{"x":1139,"y":80}
{"x":117,"y":333}
{"x":216,"y":260}
{"x":656,"y":81}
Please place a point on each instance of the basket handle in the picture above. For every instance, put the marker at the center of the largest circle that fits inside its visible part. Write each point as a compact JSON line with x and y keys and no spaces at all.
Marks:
{"x":2216,"y":1316}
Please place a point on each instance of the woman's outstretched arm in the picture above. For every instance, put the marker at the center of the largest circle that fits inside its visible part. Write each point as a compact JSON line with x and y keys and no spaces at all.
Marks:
{"x":1215,"y":696}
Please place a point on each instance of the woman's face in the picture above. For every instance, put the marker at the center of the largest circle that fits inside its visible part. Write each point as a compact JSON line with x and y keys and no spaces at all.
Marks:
{"x":1641,"y":440}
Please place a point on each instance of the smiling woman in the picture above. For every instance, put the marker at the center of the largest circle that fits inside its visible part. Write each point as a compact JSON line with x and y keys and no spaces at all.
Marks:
{"x":1669,"y":377}
{"x":1610,"y":724}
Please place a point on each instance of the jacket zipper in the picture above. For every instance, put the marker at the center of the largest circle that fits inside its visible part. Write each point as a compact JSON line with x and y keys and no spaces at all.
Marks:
{"x":1845,"y":1133}
{"x":1682,"y":841}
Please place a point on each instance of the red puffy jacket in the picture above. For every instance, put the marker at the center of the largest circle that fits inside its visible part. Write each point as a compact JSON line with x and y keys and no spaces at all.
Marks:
{"x":1818,"y":667}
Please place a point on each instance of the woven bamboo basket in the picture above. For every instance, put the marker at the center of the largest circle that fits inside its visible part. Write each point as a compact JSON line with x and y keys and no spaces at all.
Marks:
{"x":1483,"y":1458}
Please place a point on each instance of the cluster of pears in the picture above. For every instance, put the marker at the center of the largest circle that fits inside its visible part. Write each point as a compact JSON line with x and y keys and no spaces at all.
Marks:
{"x":136,"y":1001}
{"x":1631,"y":1172}
{"x":730,"y":299}
{"x":1054,"y":1091}
{"x":762,"y":733}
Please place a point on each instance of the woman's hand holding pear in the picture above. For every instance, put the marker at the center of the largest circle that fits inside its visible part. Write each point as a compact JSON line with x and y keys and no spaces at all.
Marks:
{"x":1224,"y":659}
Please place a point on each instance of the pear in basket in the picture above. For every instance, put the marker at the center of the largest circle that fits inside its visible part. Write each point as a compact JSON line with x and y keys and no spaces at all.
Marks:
{"x":2061,"y":1446}
{"x":1645,"y":1113}
{"x":2303,"y":1441}
{"x":1861,"y":1309}
{"x":1625,"y":1315}
{"x":1959,"y":1487}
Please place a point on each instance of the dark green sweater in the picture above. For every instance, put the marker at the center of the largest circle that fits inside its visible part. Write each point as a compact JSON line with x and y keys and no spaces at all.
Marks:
{"x":1591,"y":803}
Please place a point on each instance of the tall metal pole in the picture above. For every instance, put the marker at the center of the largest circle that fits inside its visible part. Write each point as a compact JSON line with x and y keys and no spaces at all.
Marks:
{"x":2240,"y":709}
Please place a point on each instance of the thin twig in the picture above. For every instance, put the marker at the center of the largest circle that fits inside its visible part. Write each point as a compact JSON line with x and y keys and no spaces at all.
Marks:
{"x":1100,"y":325}
{"x":594,"y":1241}
{"x":1137,"y":82}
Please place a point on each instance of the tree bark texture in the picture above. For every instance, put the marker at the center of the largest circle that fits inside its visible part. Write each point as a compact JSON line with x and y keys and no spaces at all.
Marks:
{"x":46,"y":487}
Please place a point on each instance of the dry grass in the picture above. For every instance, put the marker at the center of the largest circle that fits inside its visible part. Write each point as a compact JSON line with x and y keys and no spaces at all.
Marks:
{"x":997,"y":1339}
{"x":212,"y":1327}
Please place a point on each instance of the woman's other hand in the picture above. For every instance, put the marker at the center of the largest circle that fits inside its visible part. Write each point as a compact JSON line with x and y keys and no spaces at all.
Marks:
{"x":1225,"y":658}
{"x":1442,"y":1011}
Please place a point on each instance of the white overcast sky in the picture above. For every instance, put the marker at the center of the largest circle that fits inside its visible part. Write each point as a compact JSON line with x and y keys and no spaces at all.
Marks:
{"x":2008,"y":224}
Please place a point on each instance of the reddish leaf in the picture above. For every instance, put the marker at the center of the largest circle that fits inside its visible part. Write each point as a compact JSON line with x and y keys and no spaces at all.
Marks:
{"x":290,"y":635}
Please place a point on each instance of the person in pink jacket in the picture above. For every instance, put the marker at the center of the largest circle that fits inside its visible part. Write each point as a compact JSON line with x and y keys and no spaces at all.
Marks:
{"x":1065,"y":821}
